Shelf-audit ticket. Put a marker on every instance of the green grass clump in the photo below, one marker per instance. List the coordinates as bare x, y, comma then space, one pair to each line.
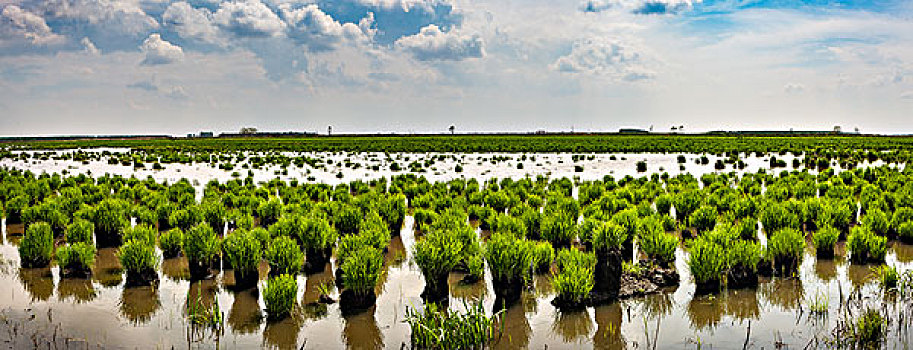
664, 204
284, 256
905, 231
362, 270
543, 255
824, 240
877, 221
185, 218
37, 246
201, 245
659, 247
76, 258
138, 259
887, 276
786, 249
143, 233
704, 218
775, 217
744, 254
110, 217
444, 329
317, 234
870, 329
558, 228
707, 262
436, 254
608, 236
346, 219
865, 246
279, 296
171, 242
575, 277
80, 231
269, 211
242, 250
509, 258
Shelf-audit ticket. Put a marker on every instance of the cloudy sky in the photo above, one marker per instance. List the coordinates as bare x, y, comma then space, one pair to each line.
173, 67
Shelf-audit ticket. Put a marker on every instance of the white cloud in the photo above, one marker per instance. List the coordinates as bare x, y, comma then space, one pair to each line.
318, 30
793, 88
604, 57
249, 18
405, 5
432, 44
159, 51
23, 25
907, 95
645, 7
191, 23
117, 17
89, 47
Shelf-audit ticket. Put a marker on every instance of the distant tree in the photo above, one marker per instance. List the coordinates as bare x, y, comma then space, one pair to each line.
673, 128
330, 130
452, 129
856, 129
837, 129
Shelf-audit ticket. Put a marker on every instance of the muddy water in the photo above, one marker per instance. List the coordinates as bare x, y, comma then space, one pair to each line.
100, 312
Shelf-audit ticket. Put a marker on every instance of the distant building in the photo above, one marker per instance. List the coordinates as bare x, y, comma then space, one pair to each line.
632, 131
206, 134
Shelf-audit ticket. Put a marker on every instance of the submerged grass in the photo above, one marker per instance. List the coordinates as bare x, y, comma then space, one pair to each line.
442, 329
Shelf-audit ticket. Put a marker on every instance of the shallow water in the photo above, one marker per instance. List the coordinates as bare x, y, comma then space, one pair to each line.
36, 306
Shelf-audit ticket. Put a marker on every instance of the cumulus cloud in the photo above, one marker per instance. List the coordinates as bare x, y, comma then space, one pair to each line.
644, 7
191, 23
604, 57
319, 31
89, 47
159, 51
117, 17
249, 18
24, 25
793, 88
432, 44
405, 5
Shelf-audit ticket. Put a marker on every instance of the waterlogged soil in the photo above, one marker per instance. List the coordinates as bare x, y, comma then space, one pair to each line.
38, 308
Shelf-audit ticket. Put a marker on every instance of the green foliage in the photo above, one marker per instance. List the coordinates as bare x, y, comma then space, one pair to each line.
444, 329
745, 254
825, 239
137, 256
659, 246
347, 219
37, 246
558, 229
201, 244
786, 249
707, 261
608, 236
905, 231
362, 270
171, 242
436, 254
185, 218
80, 231
509, 258
865, 246
143, 233
543, 255
317, 233
284, 256
887, 276
111, 216
704, 218
686, 203
775, 217
243, 251
877, 221
280, 296
663, 204
269, 212
575, 277
870, 329
76, 256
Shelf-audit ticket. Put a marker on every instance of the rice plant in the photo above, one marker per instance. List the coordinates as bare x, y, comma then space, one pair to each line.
558, 228
280, 295
139, 261
543, 255
436, 254
171, 242
824, 240
360, 273
887, 276
786, 249
704, 218
76, 259
201, 247
509, 260
37, 246
284, 256
144, 233
80, 231
243, 252
864, 246
574, 279
659, 247
110, 217
318, 238
443, 329
905, 232
707, 261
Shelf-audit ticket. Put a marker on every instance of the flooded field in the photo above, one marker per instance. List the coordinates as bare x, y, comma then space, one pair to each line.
38, 306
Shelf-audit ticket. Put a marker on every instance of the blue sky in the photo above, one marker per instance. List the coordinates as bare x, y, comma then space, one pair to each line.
174, 67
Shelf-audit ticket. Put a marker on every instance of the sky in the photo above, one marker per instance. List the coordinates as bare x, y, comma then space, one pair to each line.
72, 67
